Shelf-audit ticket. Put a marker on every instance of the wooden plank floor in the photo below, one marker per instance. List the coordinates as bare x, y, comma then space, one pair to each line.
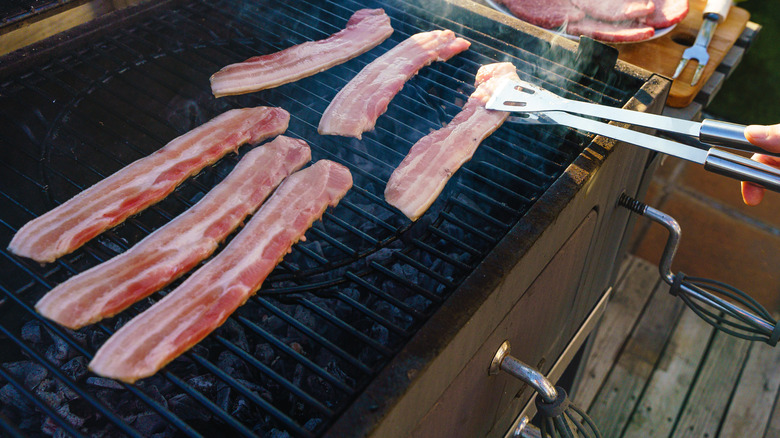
656, 370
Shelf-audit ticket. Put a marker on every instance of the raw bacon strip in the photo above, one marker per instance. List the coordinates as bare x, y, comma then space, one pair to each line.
356, 107
430, 163
174, 249
616, 10
549, 14
618, 32
205, 300
143, 182
667, 13
366, 29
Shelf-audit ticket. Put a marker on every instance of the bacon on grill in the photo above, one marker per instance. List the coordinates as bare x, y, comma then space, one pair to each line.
177, 247
205, 300
366, 29
430, 163
359, 104
143, 182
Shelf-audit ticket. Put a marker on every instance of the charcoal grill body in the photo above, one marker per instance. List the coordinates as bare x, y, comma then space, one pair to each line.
374, 325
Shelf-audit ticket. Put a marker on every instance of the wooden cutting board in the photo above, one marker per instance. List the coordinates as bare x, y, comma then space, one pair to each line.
662, 54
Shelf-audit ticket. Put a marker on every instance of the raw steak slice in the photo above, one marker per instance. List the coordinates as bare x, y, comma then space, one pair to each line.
667, 13
616, 10
549, 14
621, 32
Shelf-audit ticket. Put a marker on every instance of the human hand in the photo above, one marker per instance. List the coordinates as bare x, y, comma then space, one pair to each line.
765, 137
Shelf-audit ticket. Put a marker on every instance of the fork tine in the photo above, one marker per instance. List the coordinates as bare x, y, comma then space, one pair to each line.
697, 74
680, 67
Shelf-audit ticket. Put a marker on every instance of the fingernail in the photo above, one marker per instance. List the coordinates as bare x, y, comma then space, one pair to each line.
757, 132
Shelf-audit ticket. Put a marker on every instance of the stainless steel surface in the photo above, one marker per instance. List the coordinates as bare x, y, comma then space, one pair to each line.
505, 362
526, 97
714, 13
743, 169
637, 138
525, 430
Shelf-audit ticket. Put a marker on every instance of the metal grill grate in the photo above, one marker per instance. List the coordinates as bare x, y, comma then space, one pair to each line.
343, 302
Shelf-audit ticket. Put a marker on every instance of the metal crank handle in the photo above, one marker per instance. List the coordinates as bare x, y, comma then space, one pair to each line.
724, 307
743, 169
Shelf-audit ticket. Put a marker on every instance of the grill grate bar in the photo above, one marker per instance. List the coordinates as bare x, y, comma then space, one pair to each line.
482, 216
344, 326
40, 404
459, 243
338, 351
60, 376
460, 223
439, 254
290, 352
424, 269
415, 287
298, 392
385, 296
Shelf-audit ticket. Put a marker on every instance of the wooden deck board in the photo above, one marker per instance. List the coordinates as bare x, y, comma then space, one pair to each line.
632, 290
757, 390
657, 371
711, 392
614, 404
662, 401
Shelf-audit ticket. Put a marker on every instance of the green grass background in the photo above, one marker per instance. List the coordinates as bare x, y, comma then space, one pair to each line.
752, 94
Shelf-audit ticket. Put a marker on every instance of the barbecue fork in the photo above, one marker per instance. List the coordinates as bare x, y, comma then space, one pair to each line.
715, 12
542, 106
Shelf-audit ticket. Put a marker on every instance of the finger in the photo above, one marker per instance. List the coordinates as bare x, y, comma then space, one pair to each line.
766, 137
751, 193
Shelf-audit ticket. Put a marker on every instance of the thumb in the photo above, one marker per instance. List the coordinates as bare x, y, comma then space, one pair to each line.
765, 137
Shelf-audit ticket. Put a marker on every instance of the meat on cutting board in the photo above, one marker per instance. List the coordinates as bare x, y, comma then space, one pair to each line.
359, 104
549, 14
616, 10
419, 179
177, 247
143, 182
667, 13
205, 300
618, 32
366, 29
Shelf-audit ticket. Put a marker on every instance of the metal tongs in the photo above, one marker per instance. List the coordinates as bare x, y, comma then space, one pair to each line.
545, 107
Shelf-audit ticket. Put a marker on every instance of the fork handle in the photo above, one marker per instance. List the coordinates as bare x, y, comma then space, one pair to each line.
720, 8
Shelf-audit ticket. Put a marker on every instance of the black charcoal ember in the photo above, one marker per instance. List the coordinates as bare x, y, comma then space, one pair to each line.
9, 396
305, 317
70, 417
75, 368
233, 365
48, 391
223, 396
418, 302
205, 384
30, 372
187, 409
155, 395
380, 334
102, 382
149, 423
234, 333
334, 370
312, 424
276, 433
273, 324
265, 353
259, 390
32, 332
59, 352
319, 388
241, 410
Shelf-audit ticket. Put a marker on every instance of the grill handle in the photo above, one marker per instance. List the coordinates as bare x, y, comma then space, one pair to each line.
560, 417
747, 319
743, 169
